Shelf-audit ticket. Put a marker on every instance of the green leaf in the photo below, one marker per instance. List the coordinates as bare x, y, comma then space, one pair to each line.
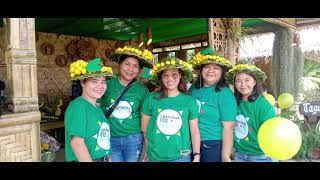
207, 51
94, 65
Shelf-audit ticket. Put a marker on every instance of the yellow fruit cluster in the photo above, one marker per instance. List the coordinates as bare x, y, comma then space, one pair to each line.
78, 68
199, 58
145, 53
106, 69
171, 62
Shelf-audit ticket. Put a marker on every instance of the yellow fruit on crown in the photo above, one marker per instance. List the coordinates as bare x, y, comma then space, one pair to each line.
162, 64
158, 65
80, 68
71, 75
72, 69
173, 62
84, 71
77, 72
180, 61
83, 63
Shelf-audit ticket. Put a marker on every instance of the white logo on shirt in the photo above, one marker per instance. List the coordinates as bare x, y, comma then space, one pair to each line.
169, 121
123, 110
241, 127
103, 138
199, 104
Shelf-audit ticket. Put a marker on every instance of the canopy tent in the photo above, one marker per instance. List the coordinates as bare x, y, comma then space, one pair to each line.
124, 28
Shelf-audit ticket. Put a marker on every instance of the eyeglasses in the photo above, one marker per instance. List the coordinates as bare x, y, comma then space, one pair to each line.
166, 76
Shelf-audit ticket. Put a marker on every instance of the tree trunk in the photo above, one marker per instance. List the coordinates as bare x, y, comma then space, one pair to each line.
298, 65
287, 63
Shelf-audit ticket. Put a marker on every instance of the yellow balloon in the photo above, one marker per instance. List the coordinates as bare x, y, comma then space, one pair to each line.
270, 98
285, 100
279, 138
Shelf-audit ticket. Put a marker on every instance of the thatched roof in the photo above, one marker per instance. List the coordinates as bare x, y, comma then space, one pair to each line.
260, 45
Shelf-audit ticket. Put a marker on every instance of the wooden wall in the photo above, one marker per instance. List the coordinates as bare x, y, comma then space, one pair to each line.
53, 80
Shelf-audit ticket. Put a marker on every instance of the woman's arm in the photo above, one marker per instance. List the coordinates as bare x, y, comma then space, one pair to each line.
80, 149
144, 124
227, 140
195, 138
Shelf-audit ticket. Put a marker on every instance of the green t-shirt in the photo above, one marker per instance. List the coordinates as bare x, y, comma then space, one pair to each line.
125, 119
168, 129
214, 107
251, 115
85, 120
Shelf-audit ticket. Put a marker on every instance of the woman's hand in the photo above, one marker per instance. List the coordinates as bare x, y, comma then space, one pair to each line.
196, 158
145, 158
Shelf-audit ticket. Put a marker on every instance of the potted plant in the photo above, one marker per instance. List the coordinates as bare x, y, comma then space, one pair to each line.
46, 154
49, 147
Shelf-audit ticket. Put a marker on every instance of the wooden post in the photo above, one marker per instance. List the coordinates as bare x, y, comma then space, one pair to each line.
20, 55
233, 28
20, 131
220, 37
210, 32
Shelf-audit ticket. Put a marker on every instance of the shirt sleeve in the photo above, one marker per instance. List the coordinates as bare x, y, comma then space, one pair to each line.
77, 118
266, 111
194, 109
145, 93
146, 105
227, 105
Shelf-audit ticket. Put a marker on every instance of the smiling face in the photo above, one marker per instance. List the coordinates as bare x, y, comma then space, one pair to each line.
211, 74
244, 84
171, 78
94, 88
129, 69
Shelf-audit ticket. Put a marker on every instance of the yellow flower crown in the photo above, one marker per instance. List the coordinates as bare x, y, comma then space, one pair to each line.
246, 67
168, 63
145, 53
208, 55
82, 69
145, 56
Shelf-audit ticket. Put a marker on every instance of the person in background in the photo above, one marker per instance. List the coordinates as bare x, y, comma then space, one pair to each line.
217, 106
253, 110
87, 131
125, 120
170, 115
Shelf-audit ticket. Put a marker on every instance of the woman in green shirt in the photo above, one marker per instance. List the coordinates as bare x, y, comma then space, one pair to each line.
125, 120
217, 106
253, 110
170, 116
86, 128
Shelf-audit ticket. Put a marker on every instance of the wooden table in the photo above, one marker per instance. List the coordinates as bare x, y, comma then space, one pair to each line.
51, 125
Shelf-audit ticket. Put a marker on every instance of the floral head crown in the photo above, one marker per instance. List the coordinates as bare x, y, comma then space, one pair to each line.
82, 69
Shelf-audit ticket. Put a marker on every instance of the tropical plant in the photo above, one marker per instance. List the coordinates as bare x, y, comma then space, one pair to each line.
311, 76
310, 141
310, 135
